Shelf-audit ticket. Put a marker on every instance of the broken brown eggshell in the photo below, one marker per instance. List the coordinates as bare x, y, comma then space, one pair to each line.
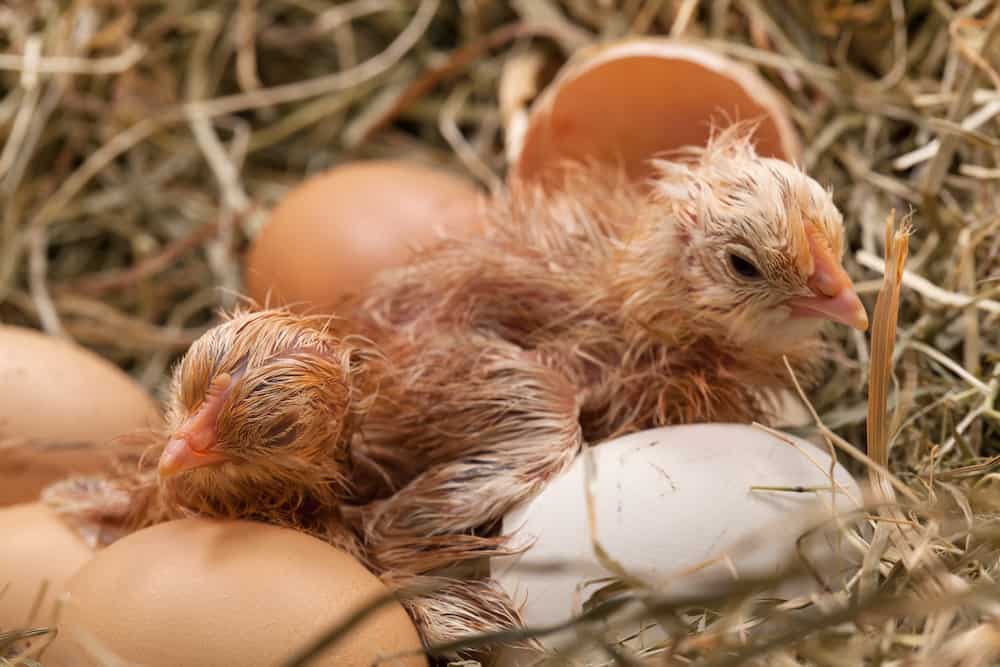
633, 100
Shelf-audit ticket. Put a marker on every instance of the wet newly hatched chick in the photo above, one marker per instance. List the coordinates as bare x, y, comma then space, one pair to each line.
606, 309
258, 421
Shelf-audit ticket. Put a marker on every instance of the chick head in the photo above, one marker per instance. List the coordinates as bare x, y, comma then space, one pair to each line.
756, 245
258, 412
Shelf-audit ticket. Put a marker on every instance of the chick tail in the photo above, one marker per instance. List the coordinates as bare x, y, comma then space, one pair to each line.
450, 612
103, 509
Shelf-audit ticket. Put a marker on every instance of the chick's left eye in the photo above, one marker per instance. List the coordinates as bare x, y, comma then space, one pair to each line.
743, 266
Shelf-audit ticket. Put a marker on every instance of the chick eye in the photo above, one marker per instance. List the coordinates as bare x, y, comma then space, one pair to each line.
743, 266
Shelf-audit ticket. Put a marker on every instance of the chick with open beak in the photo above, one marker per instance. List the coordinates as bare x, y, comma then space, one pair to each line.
259, 413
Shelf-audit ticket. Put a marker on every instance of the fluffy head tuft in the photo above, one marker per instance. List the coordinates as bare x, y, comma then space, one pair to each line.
291, 397
739, 227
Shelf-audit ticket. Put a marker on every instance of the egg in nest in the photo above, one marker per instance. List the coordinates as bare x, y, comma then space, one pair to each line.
199, 592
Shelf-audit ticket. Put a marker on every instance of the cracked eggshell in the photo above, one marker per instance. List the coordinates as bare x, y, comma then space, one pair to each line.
330, 235
60, 407
201, 593
670, 500
627, 102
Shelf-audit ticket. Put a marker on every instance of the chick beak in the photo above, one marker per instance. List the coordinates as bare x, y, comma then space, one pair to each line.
180, 455
834, 296
193, 444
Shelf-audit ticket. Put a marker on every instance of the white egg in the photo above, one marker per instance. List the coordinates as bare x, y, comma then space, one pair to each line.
680, 509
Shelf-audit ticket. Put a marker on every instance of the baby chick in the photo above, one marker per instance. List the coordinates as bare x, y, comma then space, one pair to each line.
606, 309
578, 317
238, 443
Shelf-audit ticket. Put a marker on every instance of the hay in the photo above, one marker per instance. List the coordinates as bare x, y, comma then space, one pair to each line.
145, 140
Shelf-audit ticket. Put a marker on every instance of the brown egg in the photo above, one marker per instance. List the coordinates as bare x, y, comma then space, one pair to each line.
198, 592
35, 548
629, 101
334, 232
60, 405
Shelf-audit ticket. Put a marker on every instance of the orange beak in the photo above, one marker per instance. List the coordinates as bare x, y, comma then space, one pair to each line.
180, 455
193, 444
835, 298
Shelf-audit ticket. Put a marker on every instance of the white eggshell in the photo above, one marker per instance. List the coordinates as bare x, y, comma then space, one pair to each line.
671, 500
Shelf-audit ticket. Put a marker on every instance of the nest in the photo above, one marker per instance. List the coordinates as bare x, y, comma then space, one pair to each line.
144, 142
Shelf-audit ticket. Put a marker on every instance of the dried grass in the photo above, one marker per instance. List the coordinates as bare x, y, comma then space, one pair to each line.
144, 141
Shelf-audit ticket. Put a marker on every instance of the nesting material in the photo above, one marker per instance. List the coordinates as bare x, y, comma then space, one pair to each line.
630, 101
885, 324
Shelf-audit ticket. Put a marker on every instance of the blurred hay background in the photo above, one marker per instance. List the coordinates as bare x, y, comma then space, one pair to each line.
144, 141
